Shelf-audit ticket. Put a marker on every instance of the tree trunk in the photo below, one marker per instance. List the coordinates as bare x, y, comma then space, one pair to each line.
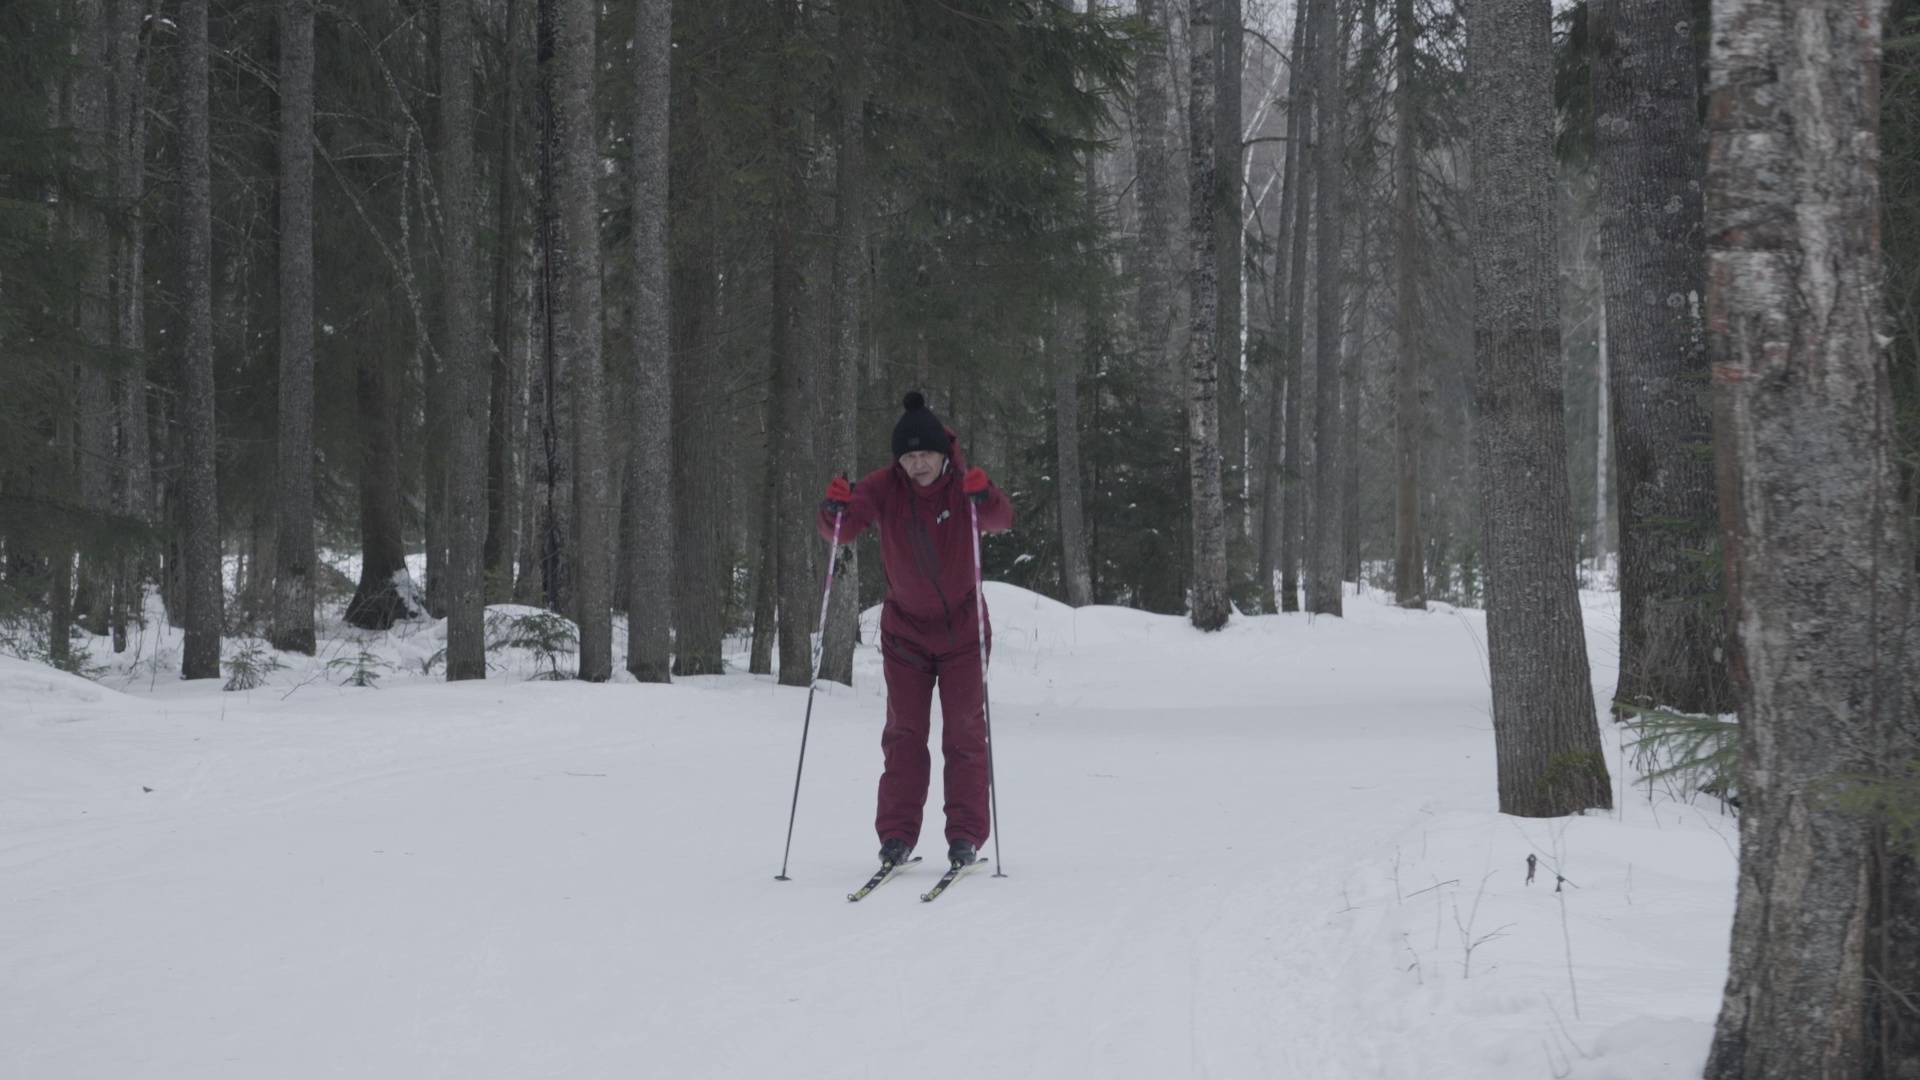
464, 376
510, 309
557, 552
1210, 603
650, 557
579, 310
1353, 366
766, 569
1229, 157
60, 608
1409, 399
133, 489
200, 493
529, 583
1602, 441
839, 453
1154, 142
699, 503
386, 592
293, 551
1893, 939
1075, 566
1326, 526
1649, 154
1283, 387
1304, 134
1810, 501
1545, 735
793, 385
1076, 575
87, 117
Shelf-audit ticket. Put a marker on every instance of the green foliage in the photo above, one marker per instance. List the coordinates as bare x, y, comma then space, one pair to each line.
1893, 800
547, 636
1698, 753
42, 188
361, 668
1570, 775
1138, 491
249, 666
24, 634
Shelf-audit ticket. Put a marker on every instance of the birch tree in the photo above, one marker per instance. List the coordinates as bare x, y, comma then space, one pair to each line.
1283, 387
1818, 552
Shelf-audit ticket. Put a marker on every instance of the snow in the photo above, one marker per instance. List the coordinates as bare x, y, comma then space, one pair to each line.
1267, 852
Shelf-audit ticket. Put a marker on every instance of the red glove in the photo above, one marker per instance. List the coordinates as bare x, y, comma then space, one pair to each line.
975, 484
839, 493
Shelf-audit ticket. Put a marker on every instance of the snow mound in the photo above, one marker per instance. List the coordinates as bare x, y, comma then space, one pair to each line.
23, 681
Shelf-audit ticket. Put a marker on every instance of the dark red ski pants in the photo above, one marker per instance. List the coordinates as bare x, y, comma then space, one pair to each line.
912, 676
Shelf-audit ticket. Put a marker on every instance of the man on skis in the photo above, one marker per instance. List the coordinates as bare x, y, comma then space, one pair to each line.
929, 632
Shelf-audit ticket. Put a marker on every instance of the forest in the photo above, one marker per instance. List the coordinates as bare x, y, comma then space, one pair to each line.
320, 318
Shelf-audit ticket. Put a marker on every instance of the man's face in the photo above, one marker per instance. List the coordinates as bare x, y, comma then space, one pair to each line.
923, 465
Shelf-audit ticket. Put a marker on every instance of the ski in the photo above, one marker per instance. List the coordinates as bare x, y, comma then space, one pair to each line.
886, 872
952, 875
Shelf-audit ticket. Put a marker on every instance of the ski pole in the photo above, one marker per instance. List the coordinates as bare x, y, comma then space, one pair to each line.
986, 710
826, 594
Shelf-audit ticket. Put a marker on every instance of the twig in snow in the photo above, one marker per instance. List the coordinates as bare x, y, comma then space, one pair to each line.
1468, 942
1435, 885
1566, 938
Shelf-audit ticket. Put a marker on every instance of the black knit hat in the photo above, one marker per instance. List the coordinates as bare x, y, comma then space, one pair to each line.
919, 429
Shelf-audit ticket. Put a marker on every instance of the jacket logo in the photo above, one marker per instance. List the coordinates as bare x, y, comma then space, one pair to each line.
943, 515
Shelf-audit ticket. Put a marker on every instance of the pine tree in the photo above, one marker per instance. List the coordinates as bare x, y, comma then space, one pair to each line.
293, 597
842, 384
201, 590
1545, 734
580, 330
465, 380
650, 587
1650, 157
1325, 525
1209, 527
1410, 575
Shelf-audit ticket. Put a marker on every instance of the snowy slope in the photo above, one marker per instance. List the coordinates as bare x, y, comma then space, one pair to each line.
1259, 853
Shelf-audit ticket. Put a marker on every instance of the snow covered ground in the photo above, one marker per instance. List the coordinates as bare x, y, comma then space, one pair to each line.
1268, 852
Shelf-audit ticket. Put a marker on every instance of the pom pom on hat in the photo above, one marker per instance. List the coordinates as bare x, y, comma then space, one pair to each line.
919, 429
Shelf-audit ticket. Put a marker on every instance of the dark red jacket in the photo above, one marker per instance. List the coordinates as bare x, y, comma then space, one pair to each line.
925, 550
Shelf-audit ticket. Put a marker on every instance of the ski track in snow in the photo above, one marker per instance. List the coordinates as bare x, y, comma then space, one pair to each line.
1268, 852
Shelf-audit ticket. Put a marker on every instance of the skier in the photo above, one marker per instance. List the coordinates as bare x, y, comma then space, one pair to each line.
929, 634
